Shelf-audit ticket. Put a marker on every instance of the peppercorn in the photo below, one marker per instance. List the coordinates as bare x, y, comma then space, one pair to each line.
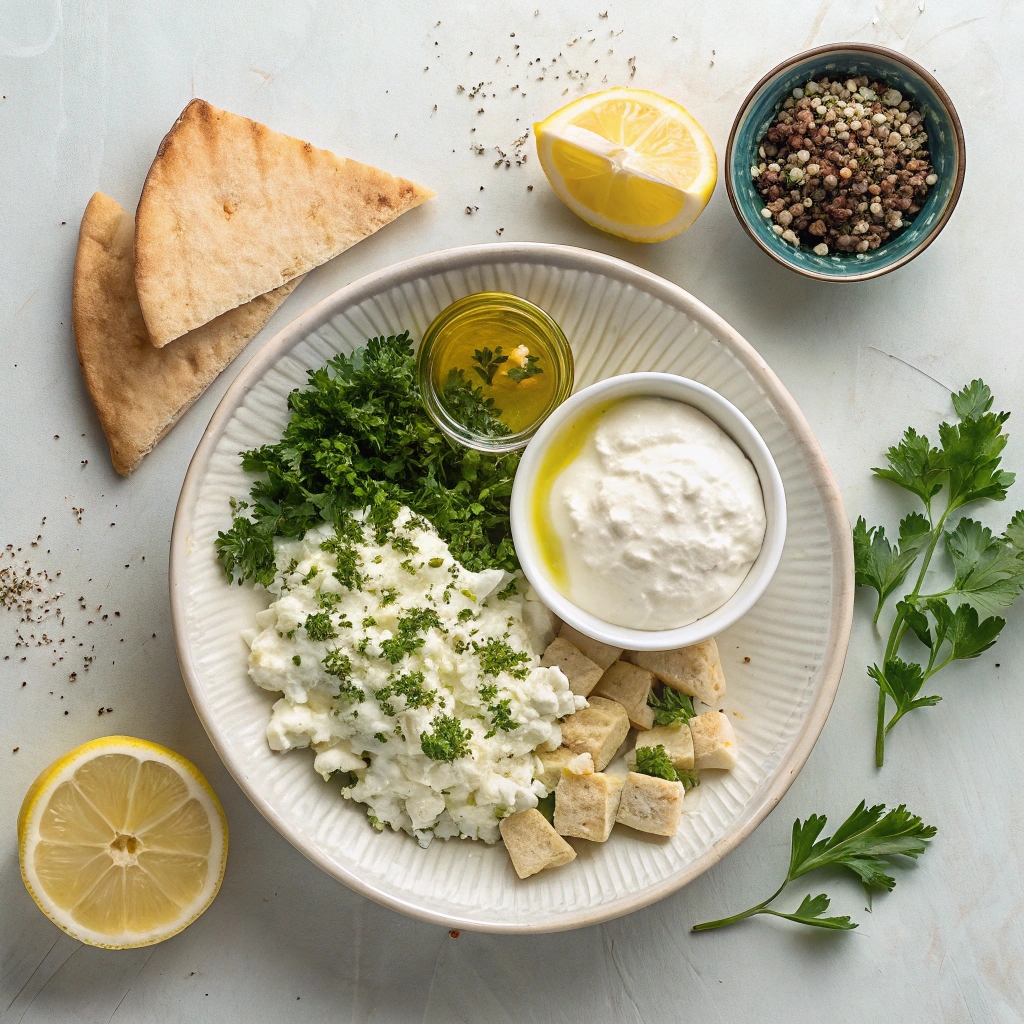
844, 165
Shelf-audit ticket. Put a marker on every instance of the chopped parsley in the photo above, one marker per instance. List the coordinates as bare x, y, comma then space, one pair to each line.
312, 574
296, 660
347, 571
369, 621
410, 686
448, 742
408, 566
488, 691
497, 656
465, 615
501, 717
337, 663
467, 405
389, 595
508, 590
360, 437
351, 693
319, 627
655, 761
404, 545
672, 707
409, 634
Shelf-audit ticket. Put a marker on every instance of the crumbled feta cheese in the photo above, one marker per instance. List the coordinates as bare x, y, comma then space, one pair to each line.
415, 675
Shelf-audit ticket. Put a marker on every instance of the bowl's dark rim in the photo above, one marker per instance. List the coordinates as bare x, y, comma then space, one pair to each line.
944, 99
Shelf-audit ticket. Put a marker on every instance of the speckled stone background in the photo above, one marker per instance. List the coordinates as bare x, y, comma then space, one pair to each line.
90, 86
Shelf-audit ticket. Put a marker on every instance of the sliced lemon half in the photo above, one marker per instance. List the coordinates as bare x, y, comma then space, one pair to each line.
122, 842
629, 162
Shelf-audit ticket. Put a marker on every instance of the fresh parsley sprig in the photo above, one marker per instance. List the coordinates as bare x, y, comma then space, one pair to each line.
988, 569
359, 438
865, 844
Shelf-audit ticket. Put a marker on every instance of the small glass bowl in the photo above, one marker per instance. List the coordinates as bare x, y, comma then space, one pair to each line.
524, 323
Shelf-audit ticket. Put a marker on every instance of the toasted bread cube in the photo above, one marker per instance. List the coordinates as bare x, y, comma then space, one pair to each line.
533, 844
597, 730
553, 761
600, 654
651, 805
695, 670
714, 741
585, 805
677, 741
581, 672
630, 686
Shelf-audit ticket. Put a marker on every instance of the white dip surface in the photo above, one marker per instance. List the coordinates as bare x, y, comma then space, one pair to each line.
659, 517
373, 698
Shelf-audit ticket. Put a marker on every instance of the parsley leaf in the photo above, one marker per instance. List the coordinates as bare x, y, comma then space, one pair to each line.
902, 681
914, 465
864, 844
810, 911
672, 707
526, 371
487, 363
989, 570
881, 566
654, 761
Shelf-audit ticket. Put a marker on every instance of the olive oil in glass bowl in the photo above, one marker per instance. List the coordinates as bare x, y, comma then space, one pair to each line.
492, 368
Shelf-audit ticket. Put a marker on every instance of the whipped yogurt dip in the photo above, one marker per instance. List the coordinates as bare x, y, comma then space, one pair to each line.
658, 518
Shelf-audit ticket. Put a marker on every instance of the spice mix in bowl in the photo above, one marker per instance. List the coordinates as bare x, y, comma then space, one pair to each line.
845, 162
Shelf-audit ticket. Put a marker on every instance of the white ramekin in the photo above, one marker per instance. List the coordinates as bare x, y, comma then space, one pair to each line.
737, 426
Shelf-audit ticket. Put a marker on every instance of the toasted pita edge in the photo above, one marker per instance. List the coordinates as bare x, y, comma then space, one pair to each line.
170, 304
140, 392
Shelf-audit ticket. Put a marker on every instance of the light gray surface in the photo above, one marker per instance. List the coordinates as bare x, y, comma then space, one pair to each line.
90, 87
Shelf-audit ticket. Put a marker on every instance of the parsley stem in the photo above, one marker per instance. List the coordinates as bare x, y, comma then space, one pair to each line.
896, 634
759, 909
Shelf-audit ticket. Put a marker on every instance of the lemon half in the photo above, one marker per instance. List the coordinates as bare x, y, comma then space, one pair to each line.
122, 842
629, 162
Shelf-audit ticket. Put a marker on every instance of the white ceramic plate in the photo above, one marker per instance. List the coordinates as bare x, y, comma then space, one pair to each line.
618, 319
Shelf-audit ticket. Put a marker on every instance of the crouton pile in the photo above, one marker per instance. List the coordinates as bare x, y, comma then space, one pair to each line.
588, 800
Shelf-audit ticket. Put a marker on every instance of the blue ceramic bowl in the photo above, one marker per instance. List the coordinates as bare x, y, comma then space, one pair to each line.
946, 147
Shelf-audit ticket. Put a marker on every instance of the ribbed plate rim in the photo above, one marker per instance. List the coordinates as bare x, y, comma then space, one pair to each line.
567, 258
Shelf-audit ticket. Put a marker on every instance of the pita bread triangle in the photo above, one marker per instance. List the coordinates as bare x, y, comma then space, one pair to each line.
141, 391
231, 210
